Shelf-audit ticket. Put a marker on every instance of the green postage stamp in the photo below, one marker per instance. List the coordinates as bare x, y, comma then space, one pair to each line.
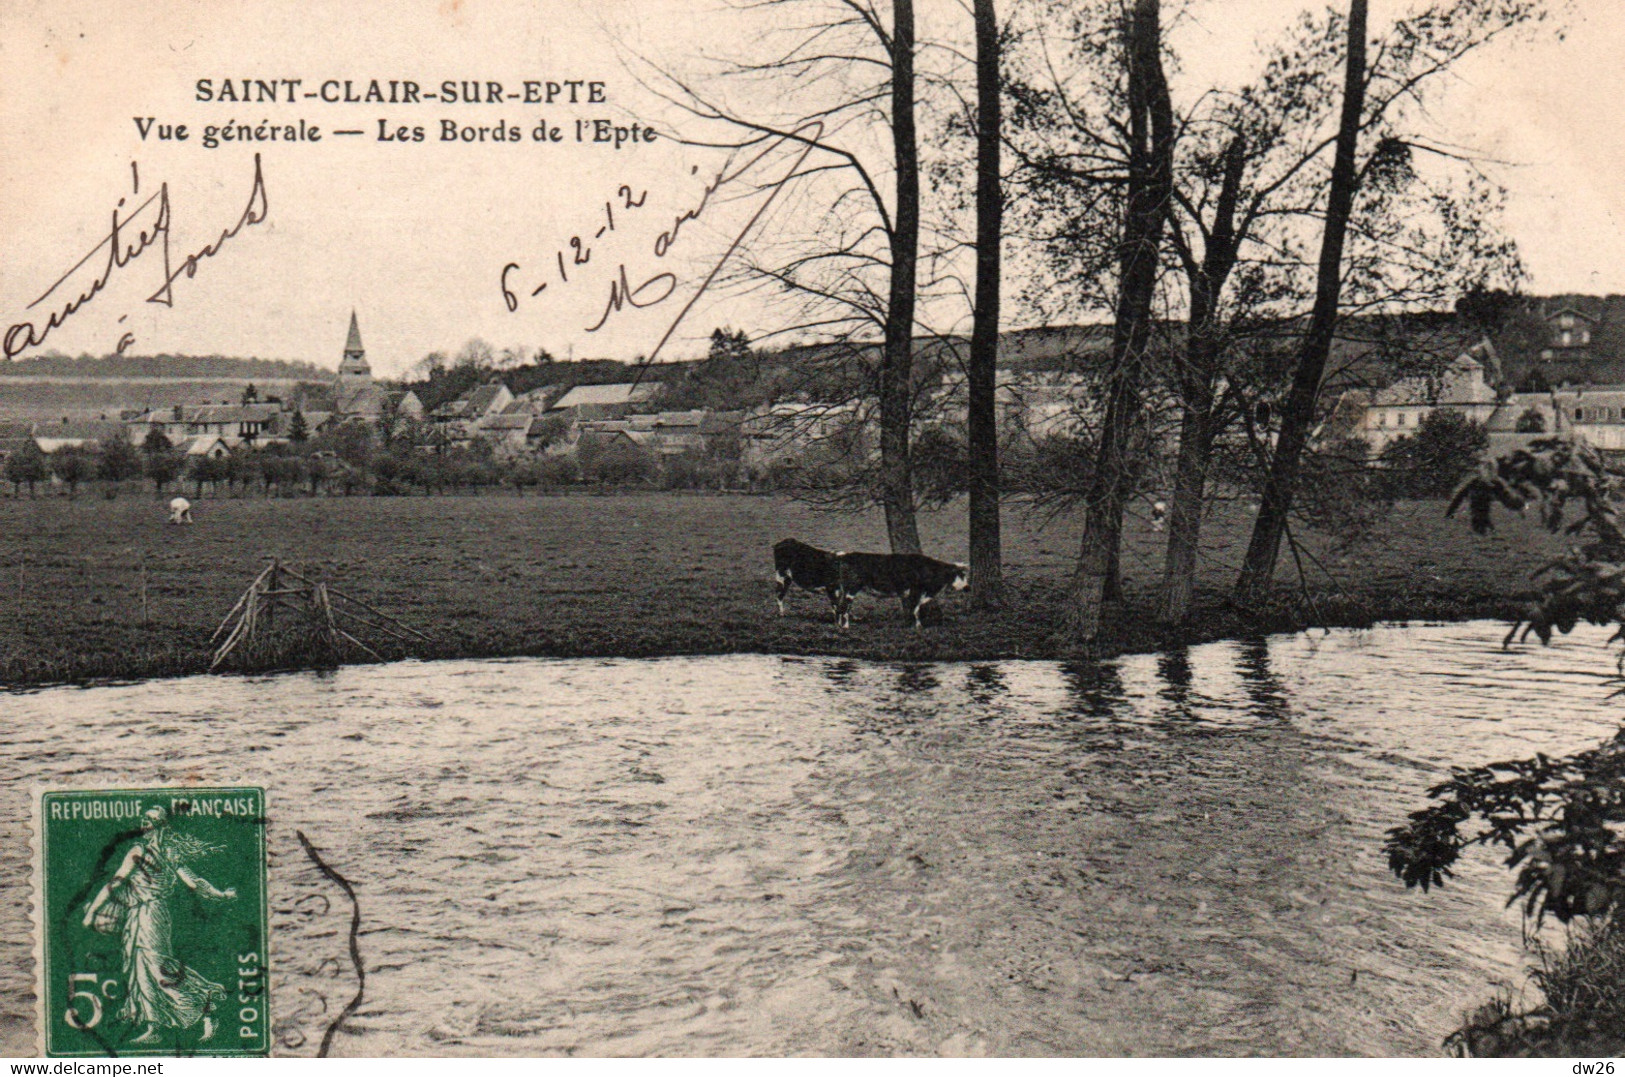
151, 922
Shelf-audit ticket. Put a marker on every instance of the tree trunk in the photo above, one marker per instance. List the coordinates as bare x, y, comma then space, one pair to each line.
1185, 514
1204, 349
1150, 185
1298, 411
897, 359
986, 560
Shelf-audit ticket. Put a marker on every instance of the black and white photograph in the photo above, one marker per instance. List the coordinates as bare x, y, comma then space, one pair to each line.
947, 529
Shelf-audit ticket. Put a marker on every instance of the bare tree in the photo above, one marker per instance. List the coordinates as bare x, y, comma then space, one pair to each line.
848, 263
1298, 411
1197, 375
1148, 191
1091, 130
1245, 213
1360, 208
897, 362
1245, 209
986, 561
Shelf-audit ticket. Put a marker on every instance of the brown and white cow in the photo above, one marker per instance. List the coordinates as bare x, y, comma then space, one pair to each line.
914, 576
807, 567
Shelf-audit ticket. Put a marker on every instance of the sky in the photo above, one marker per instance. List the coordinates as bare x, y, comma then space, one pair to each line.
415, 236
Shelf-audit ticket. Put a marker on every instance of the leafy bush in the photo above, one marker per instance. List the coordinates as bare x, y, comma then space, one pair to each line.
617, 463
1532, 421
163, 465
523, 473
389, 472
206, 469
1584, 985
26, 466
282, 472
72, 466
697, 470
560, 471
1560, 821
1432, 461
551, 430
354, 443
683, 471
119, 461
1583, 1010
941, 462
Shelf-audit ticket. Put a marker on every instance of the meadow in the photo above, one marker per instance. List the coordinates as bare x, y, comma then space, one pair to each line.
93, 588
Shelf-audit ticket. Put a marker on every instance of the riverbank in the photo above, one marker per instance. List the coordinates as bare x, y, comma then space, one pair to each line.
95, 589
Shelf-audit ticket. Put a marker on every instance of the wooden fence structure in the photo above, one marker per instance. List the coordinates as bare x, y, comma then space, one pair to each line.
286, 619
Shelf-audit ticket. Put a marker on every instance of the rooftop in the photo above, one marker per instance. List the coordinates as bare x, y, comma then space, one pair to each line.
622, 393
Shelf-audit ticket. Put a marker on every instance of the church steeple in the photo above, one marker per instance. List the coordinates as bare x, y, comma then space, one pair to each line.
355, 356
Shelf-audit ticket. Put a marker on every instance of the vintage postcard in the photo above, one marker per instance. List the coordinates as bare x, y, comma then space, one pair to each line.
812, 527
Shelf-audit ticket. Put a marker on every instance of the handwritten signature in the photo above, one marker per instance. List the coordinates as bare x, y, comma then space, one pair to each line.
126, 240
660, 286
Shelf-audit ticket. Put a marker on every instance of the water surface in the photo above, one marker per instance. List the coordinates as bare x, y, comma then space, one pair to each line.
1162, 854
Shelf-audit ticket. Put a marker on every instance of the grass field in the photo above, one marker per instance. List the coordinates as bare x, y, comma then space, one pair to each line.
651, 574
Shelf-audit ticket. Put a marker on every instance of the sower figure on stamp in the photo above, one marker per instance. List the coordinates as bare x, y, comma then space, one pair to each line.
161, 991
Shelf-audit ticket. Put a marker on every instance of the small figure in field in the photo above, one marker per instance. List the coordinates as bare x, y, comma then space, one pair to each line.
1159, 515
180, 511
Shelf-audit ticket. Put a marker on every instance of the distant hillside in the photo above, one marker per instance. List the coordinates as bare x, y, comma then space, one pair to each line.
48, 397
446, 383
202, 367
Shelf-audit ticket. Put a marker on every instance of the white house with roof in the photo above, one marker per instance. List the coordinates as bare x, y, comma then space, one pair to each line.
89, 434
1398, 410
246, 422
213, 446
462, 418
1595, 413
667, 433
508, 433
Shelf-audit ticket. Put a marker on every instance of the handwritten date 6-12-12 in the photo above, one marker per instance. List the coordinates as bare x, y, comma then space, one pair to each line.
780, 158
578, 252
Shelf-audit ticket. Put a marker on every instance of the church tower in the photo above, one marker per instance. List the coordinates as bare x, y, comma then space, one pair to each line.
353, 369
355, 393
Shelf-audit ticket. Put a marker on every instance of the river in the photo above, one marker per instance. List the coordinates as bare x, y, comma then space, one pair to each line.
1162, 854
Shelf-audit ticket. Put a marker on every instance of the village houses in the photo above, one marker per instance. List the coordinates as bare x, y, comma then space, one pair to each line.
1565, 373
211, 429
1562, 372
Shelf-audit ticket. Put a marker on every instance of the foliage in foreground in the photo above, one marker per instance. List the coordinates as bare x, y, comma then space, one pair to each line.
1584, 584
1583, 1013
1561, 821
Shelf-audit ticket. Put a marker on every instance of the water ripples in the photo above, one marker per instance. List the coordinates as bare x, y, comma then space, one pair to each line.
1163, 854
